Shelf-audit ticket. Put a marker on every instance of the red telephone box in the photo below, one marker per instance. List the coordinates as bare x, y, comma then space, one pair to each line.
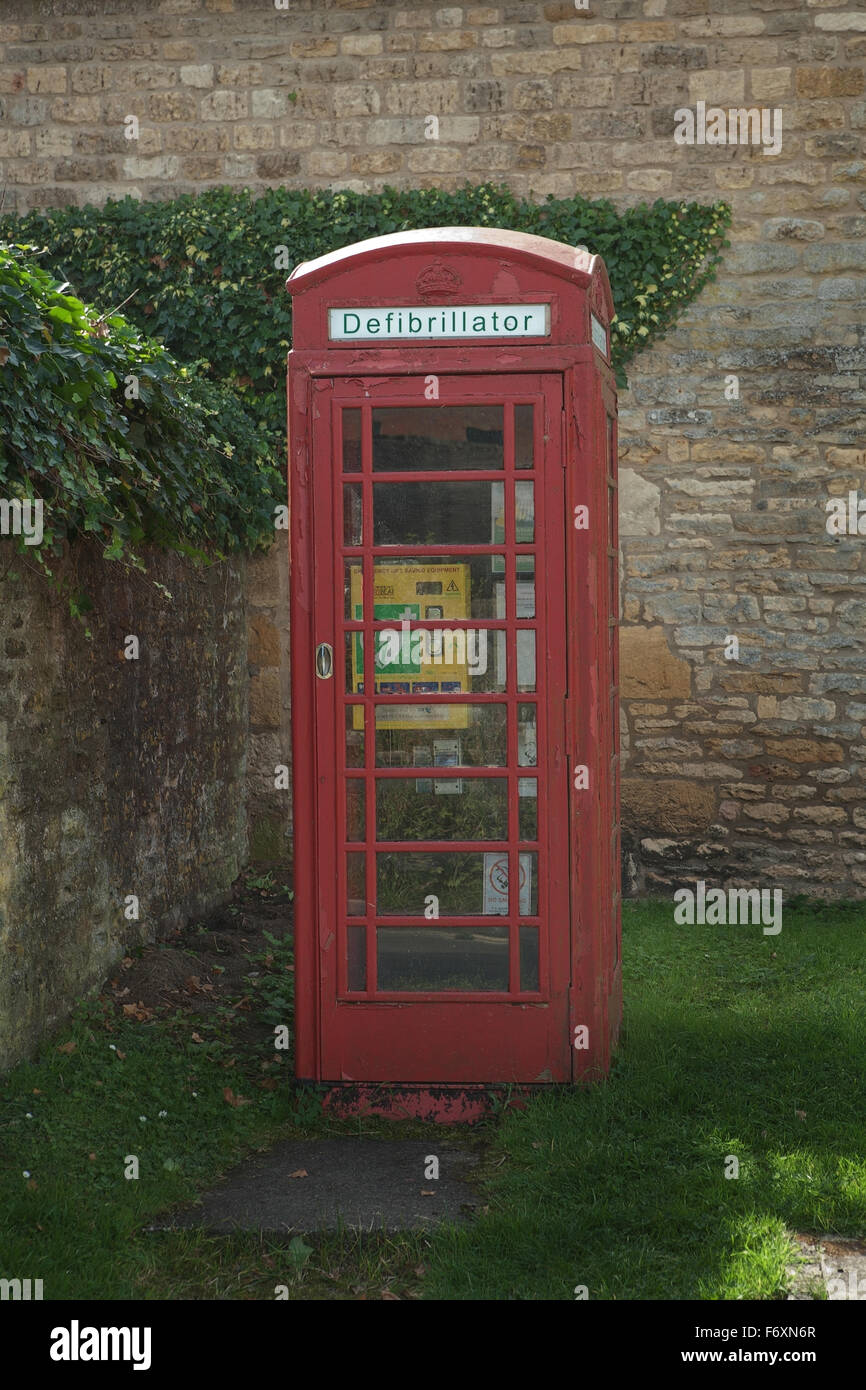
452, 426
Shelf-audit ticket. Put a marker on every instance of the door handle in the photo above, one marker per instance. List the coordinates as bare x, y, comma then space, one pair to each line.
324, 661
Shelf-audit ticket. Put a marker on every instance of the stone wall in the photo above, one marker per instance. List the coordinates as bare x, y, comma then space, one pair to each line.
743, 766
118, 777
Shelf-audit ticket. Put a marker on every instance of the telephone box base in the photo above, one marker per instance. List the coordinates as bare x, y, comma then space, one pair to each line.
444, 1105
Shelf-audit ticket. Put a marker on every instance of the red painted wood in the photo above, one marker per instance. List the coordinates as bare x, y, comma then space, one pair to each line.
366, 1037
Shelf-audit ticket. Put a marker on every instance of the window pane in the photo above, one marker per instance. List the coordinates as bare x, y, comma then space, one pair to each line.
527, 736
450, 512
437, 808
525, 659
527, 803
523, 432
352, 514
529, 972
351, 441
356, 962
524, 513
442, 587
353, 591
405, 879
356, 887
404, 734
355, 810
431, 958
437, 438
354, 736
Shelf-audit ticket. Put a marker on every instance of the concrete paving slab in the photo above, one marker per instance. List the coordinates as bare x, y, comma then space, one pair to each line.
831, 1266
317, 1185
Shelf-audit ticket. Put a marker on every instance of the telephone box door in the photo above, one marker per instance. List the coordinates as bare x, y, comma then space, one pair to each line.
439, 625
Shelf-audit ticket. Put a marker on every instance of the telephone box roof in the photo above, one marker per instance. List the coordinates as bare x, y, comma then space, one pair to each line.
575, 264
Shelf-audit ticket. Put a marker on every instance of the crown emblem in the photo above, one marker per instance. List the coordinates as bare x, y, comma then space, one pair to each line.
437, 281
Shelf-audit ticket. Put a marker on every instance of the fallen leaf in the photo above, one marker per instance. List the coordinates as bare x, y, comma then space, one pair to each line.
67, 1047
268, 1084
299, 1173
138, 1011
428, 1192
121, 1055
229, 1095
197, 1038
91, 1157
801, 1114
420, 1270
36, 1091
32, 1183
390, 1297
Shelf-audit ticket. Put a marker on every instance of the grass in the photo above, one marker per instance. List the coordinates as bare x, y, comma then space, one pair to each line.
735, 1044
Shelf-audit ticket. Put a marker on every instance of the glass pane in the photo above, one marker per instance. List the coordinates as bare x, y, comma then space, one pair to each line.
451, 808
354, 665
527, 804
354, 736
355, 814
439, 587
456, 879
528, 883
523, 432
351, 441
529, 972
356, 957
524, 513
403, 734
525, 659
352, 514
430, 958
356, 888
449, 512
527, 736
353, 590
437, 437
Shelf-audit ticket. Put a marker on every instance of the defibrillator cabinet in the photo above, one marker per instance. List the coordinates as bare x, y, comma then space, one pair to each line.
454, 583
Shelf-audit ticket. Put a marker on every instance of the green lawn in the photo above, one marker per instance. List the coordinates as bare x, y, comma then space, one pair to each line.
735, 1044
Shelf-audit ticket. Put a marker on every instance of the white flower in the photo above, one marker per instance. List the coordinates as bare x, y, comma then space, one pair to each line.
25, 1174
112, 1046
162, 1114
143, 1119
28, 1116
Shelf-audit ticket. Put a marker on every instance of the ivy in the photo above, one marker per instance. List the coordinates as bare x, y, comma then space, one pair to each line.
196, 464
107, 436
206, 278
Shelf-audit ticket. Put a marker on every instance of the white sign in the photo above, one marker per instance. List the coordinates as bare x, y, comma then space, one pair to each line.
496, 884
599, 334
440, 321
